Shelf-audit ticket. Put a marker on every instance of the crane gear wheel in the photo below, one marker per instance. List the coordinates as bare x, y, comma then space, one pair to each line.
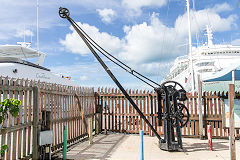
179, 115
63, 12
175, 87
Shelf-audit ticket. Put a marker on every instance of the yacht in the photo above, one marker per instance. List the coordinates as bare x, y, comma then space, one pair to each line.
22, 62
213, 62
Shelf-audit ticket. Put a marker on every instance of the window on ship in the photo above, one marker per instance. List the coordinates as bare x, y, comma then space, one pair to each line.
205, 64
205, 70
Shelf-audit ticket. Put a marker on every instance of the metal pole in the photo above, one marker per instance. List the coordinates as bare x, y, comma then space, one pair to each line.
65, 144
37, 26
141, 145
190, 47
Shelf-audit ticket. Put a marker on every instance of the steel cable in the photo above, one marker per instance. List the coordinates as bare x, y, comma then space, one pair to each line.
101, 50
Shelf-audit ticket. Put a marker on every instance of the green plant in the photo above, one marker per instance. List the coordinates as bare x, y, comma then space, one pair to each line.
4, 148
8, 106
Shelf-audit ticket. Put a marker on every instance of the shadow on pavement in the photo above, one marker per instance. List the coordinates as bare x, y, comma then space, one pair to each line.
102, 148
217, 146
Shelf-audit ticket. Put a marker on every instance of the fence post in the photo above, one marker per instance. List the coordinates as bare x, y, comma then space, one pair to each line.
200, 108
98, 123
231, 121
90, 130
35, 145
98, 114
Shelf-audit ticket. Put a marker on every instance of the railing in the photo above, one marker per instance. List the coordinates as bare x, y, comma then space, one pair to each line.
20, 134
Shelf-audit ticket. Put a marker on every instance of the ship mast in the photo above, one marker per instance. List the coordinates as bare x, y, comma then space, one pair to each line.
37, 27
209, 35
190, 48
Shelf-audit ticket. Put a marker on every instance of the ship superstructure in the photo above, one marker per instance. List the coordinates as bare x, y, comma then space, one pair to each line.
208, 61
17, 61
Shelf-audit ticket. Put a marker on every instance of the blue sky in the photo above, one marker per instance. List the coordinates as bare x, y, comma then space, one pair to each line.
146, 34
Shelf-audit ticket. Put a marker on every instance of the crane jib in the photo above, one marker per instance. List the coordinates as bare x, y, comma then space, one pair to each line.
169, 94
66, 15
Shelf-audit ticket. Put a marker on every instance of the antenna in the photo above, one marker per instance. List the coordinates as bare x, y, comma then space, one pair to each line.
24, 34
194, 5
31, 37
37, 27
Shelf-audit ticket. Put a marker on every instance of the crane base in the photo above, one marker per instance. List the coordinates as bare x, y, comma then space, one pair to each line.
170, 147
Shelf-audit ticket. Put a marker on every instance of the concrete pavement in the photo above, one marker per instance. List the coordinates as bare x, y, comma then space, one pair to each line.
126, 147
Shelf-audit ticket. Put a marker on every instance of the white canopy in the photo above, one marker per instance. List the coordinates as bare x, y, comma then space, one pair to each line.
19, 51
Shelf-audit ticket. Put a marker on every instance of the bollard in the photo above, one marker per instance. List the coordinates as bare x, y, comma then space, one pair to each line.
141, 145
105, 131
65, 144
209, 137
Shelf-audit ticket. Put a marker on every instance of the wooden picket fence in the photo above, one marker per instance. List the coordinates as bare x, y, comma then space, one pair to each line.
119, 116
20, 134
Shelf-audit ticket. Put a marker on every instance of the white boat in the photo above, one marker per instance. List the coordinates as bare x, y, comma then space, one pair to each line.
211, 61
15, 63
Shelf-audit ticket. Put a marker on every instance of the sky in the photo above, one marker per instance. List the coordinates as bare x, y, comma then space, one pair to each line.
147, 35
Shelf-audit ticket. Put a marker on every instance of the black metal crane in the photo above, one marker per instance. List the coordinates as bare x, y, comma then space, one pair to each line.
171, 110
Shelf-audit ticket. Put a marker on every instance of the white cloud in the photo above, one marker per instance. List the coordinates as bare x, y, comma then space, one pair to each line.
222, 7
76, 58
106, 15
74, 43
24, 33
83, 78
236, 42
18, 14
155, 41
201, 18
136, 5
147, 45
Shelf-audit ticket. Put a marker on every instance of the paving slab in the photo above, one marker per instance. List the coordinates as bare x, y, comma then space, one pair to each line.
127, 147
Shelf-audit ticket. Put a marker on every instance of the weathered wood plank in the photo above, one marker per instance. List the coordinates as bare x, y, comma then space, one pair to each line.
9, 123
119, 112
15, 122
133, 111
115, 110
126, 111
25, 105
137, 117
123, 119
148, 111
188, 125
29, 108
4, 82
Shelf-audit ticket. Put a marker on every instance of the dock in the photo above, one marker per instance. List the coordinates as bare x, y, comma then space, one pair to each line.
116, 146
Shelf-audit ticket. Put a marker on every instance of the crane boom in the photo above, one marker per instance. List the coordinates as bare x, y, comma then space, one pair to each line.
64, 13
